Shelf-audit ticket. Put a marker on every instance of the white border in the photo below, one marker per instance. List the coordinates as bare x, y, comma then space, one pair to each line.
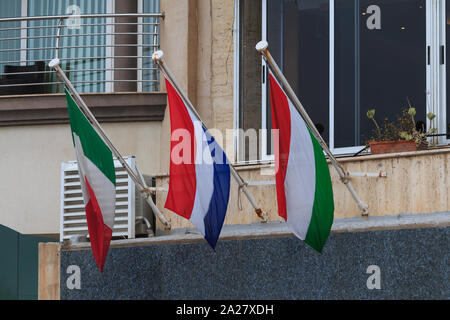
442, 110
236, 34
435, 76
109, 74
140, 48
265, 156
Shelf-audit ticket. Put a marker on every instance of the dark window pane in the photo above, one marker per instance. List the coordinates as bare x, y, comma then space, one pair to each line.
344, 69
379, 65
447, 42
392, 62
298, 36
250, 78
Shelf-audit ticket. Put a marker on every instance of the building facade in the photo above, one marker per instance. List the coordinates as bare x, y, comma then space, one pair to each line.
342, 57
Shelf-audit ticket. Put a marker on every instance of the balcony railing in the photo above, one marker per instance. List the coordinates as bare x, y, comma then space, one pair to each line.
99, 53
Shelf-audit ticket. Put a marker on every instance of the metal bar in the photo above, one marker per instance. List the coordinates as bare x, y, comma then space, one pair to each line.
157, 57
55, 64
82, 25
152, 205
75, 71
23, 32
73, 59
80, 47
76, 82
261, 183
262, 47
368, 174
78, 35
86, 16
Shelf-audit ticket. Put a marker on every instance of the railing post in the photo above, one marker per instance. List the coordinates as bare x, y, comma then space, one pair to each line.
120, 39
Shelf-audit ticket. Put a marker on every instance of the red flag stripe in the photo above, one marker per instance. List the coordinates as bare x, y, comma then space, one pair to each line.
182, 183
281, 120
99, 234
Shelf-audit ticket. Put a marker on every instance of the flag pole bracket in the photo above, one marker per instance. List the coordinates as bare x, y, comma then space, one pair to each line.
262, 48
157, 57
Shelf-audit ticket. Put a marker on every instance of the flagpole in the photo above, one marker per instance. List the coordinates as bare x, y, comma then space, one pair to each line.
157, 57
145, 191
262, 47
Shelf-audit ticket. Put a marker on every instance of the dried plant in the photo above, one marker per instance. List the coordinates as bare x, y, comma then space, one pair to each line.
405, 128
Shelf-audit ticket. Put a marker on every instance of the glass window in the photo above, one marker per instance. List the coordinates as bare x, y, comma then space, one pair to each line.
298, 36
150, 29
447, 41
87, 53
249, 80
82, 48
379, 64
377, 60
9, 41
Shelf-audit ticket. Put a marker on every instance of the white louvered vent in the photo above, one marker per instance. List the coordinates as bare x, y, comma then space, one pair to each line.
73, 217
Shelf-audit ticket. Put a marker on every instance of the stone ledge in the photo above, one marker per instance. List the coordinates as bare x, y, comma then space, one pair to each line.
107, 107
279, 229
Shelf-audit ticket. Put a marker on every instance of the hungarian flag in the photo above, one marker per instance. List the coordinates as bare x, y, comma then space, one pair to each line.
98, 181
303, 183
199, 182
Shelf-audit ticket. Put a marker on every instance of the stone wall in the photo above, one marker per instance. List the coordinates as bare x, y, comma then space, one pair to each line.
415, 182
412, 264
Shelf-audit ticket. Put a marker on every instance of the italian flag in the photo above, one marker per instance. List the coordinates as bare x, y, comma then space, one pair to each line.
303, 183
98, 181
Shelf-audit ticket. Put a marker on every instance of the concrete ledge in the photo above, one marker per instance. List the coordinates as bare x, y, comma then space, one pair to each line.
107, 107
279, 229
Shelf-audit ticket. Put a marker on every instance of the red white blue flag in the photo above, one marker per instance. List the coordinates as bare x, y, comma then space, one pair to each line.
199, 185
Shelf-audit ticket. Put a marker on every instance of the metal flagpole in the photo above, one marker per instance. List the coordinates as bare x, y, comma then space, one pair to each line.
262, 47
145, 191
157, 57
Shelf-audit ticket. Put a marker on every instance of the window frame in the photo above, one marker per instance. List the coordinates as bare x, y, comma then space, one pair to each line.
435, 75
109, 50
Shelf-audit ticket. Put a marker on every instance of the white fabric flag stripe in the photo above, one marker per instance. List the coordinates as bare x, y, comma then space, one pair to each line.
104, 189
199, 185
204, 172
97, 179
303, 182
300, 182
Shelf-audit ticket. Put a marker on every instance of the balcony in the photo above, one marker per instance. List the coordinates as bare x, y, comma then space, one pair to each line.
106, 56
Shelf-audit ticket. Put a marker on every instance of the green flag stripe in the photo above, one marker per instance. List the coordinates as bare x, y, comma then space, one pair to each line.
93, 146
323, 207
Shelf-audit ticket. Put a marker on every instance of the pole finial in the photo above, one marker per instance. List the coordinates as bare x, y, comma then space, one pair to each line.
158, 55
55, 62
262, 46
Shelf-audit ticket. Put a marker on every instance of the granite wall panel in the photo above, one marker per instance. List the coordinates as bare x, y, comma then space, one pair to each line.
413, 265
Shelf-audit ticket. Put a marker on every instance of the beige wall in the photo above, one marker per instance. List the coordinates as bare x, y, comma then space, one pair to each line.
416, 182
31, 165
197, 40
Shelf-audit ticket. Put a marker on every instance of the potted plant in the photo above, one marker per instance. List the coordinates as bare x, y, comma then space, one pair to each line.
401, 136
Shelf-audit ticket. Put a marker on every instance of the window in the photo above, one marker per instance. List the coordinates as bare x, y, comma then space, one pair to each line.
342, 58
102, 54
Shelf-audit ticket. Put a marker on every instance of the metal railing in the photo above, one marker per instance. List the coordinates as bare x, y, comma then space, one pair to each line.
99, 53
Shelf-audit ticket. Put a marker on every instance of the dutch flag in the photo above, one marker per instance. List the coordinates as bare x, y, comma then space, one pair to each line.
199, 183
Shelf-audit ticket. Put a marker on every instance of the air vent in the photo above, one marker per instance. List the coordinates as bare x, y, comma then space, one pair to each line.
129, 204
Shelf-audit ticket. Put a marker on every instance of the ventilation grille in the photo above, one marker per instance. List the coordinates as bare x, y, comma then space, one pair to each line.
73, 217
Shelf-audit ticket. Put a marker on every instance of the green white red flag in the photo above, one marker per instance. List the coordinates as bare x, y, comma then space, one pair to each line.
303, 183
98, 181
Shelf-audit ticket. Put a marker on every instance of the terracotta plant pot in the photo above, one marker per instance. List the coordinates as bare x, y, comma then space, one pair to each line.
392, 146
